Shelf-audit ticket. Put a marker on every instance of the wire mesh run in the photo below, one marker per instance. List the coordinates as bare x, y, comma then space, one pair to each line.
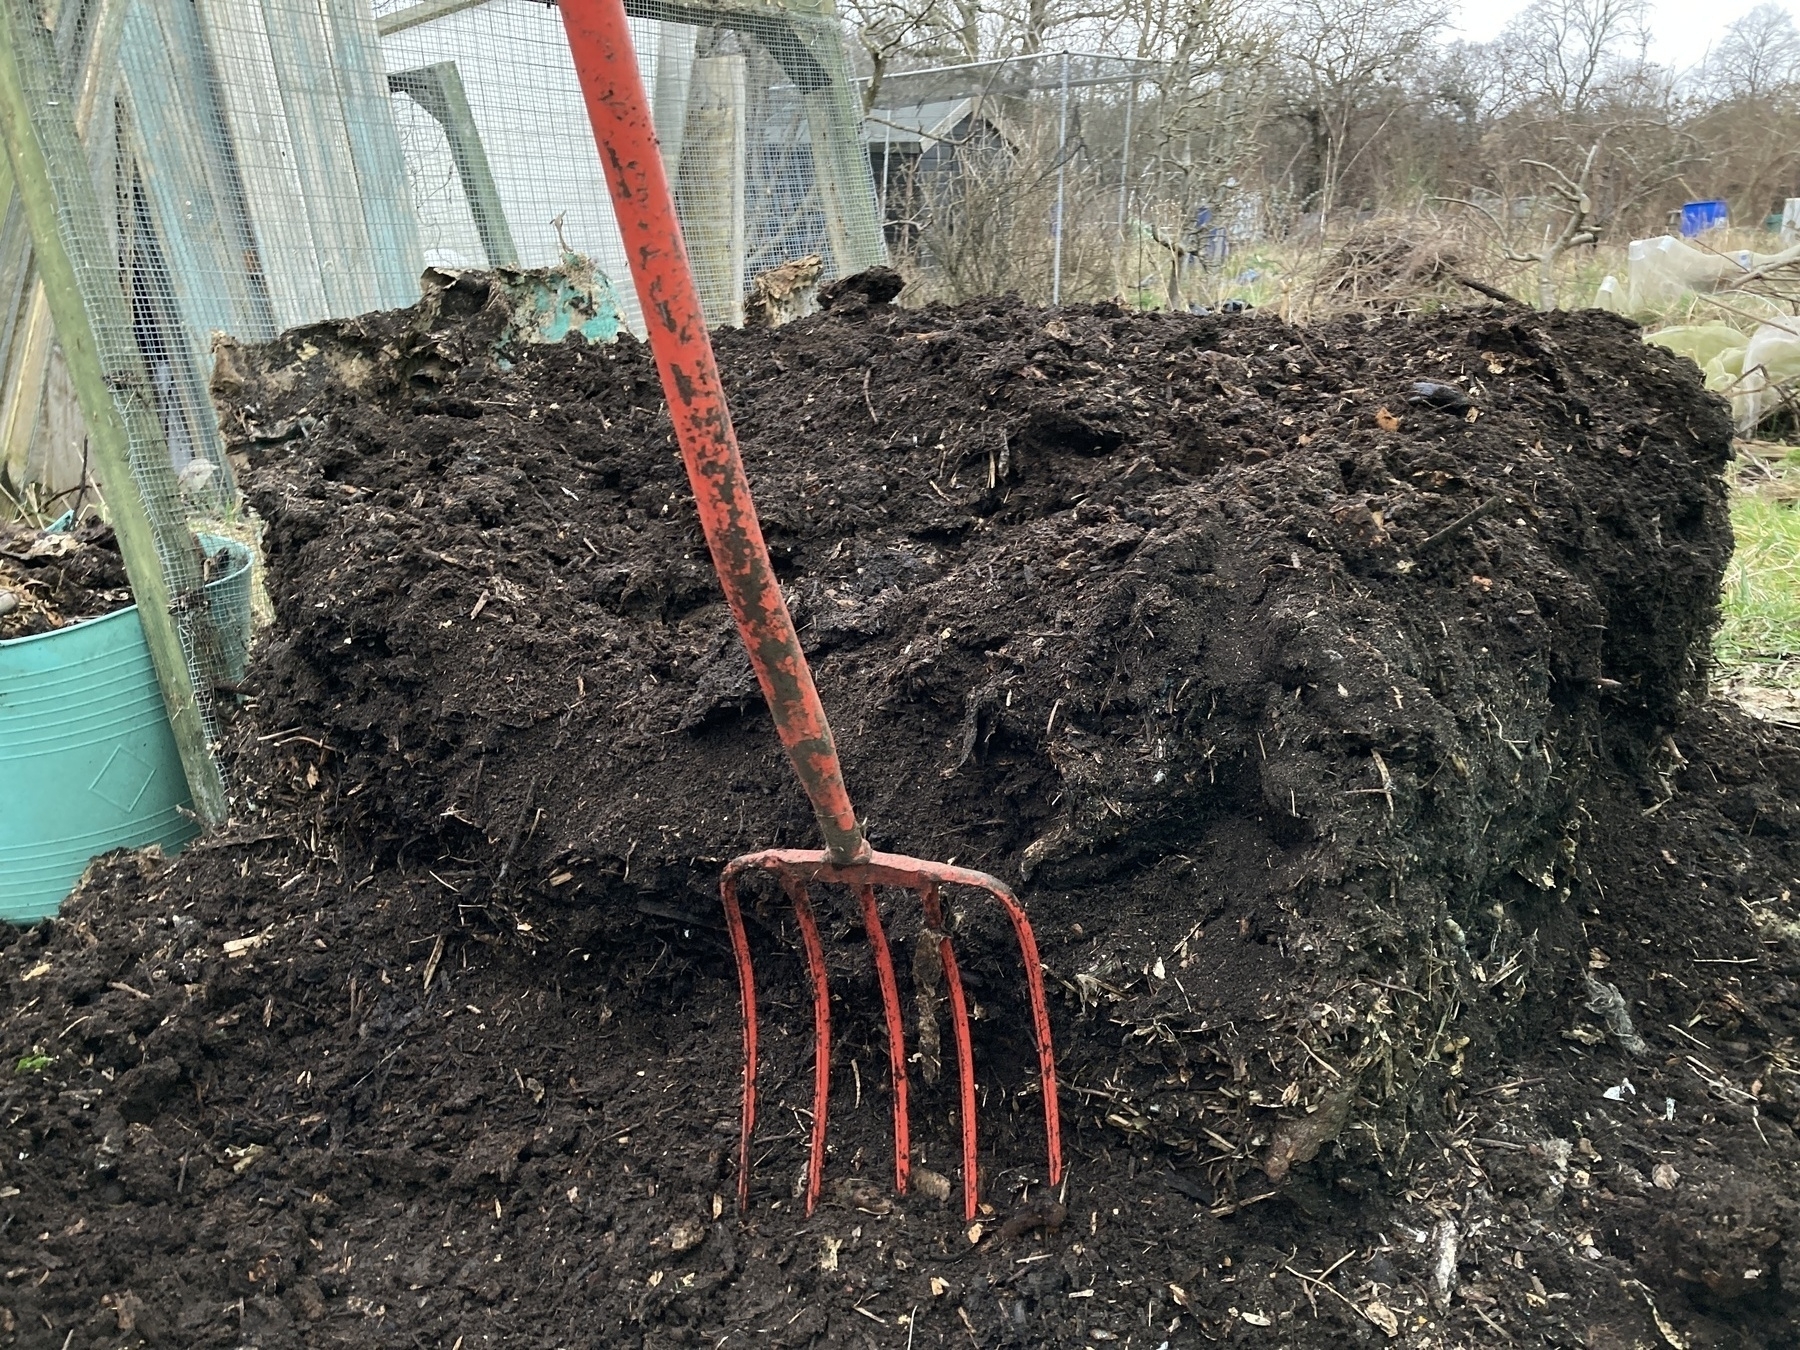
268, 163
246, 166
1060, 175
100, 207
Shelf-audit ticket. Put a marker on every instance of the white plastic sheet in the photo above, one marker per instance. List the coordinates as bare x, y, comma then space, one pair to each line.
1665, 268
1759, 372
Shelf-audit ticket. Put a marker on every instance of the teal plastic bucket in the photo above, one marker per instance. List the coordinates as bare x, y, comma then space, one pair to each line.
87, 761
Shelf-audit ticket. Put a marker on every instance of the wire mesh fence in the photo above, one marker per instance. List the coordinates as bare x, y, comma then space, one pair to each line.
245, 166
175, 472
266, 163
1060, 175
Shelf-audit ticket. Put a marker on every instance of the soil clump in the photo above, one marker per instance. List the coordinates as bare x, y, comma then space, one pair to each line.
49, 579
1423, 944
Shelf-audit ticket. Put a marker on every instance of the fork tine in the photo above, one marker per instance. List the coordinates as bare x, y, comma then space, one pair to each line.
890, 1002
740, 949
965, 1050
815, 961
1040, 1021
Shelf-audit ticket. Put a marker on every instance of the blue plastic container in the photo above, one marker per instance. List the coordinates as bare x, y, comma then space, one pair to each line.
87, 760
1699, 217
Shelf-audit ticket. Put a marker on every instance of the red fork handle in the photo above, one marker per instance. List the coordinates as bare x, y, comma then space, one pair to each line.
600, 41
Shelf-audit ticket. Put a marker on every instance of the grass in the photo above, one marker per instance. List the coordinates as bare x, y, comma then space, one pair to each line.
1758, 644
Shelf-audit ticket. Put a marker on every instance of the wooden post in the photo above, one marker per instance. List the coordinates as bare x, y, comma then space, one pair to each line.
438, 89
366, 113
399, 20
324, 161
710, 191
840, 158
669, 96
22, 407
196, 199
276, 201
140, 540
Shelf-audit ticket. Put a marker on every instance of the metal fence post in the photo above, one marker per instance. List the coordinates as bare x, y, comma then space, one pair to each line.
1062, 141
1125, 158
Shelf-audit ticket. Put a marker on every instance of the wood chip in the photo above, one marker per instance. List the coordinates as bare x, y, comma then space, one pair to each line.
431, 962
245, 945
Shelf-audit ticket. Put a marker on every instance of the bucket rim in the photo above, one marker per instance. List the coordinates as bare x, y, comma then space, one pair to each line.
242, 561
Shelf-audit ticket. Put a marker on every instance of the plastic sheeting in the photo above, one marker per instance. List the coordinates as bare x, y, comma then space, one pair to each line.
1665, 268
1759, 372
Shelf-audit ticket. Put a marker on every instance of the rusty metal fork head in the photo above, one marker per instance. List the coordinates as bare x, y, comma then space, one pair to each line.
796, 870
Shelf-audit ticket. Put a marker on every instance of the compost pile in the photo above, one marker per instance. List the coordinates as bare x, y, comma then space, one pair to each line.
52, 578
1421, 943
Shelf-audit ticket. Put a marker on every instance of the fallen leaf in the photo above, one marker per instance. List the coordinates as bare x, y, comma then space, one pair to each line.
1382, 1316
1386, 420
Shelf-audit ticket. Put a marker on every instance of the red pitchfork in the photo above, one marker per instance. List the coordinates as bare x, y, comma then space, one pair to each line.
600, 41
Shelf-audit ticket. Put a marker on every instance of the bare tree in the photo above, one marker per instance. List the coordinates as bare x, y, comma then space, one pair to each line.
1561, 52
1576, 207
888, 29
1759, 56
1348, 57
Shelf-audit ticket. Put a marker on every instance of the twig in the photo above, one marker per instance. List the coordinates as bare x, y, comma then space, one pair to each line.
1491, 292
1502, 1087
1311, 1281
1461, 523
867, 401
1324, 1063
512, 846
1220, 1211
1771, 320
431, 962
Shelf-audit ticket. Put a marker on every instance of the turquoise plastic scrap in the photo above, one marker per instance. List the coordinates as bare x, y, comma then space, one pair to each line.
87, 761
550, 303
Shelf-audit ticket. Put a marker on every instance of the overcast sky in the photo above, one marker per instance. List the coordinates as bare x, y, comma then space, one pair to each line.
1680, 30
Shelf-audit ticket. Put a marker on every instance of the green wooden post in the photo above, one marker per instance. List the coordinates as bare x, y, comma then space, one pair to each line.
108, 439
438, 89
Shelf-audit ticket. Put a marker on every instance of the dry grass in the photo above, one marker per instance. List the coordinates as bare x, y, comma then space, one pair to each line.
1758, 644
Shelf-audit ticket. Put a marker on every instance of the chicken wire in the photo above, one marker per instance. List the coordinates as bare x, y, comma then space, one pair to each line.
267, 163
753, 108
99, 215
1061, 175
245, 166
